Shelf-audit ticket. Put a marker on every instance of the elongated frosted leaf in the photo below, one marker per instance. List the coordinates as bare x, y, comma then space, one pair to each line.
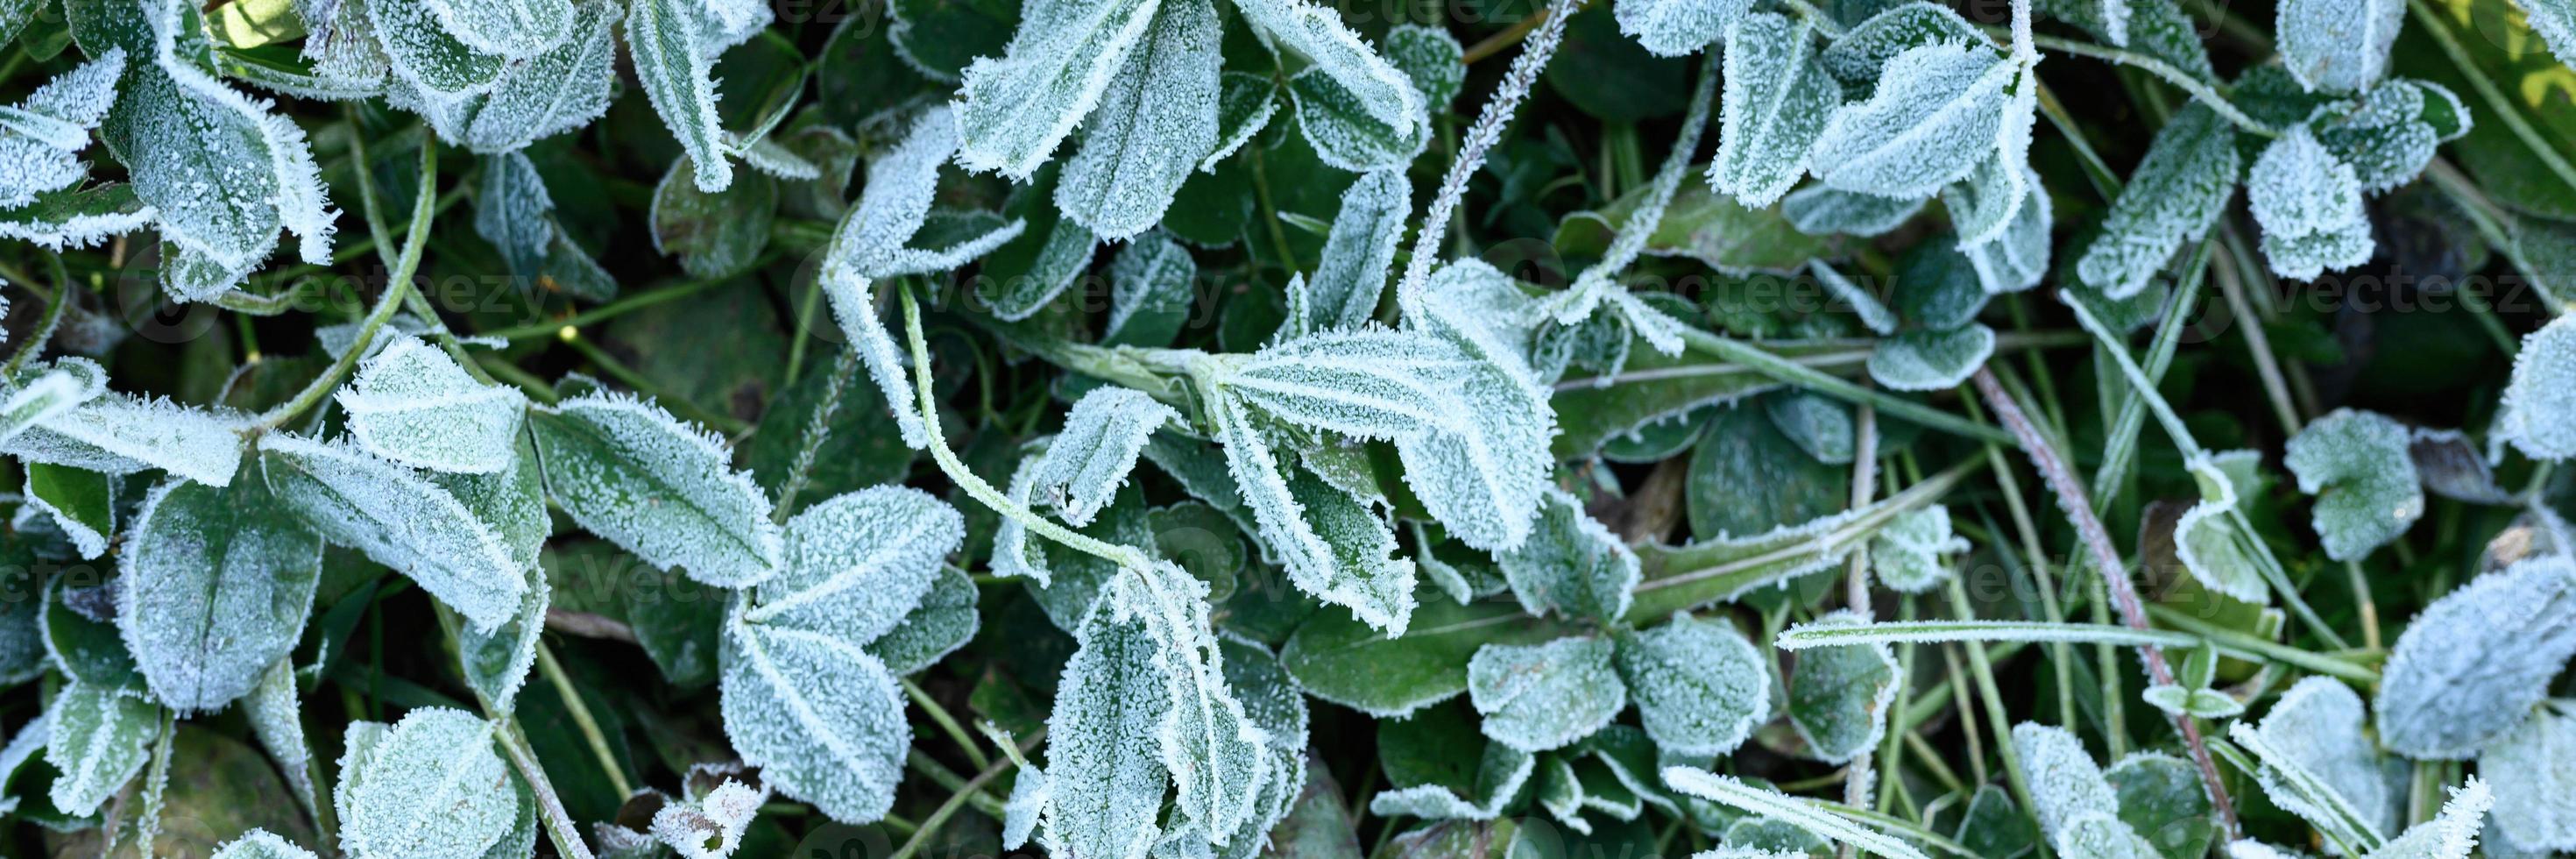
1934, 116
1086, 464
2319, 765
218, 582
432, 786
2534, 773
857, 564
2309, 205
2337, 46
874, 239
261, 844
2178, 191
1925, 360
400, 520
2470, 666
673, 64
1818, 210
854, 306
2065, 783
1013, 110
79, 502
1911, 554
1245, 105
277, 720
1364, 92
1153, 285
1104, 758
1545, 696
2356, 464
510, 28
496, 664
1775, 104
1500, 775
77, 218
1839, 695
1155, 121
40, 136
413, 404
2539, 411
1333, 546
428, 54
1571, 564
97, 739
628, 471
513, 210
1345, 132
563, 89
1673, 28
820, 716
1359, 251
1208, 742
1801, 813
1700, 687
1834, 632
2452, 834
2208, 540
1860, 54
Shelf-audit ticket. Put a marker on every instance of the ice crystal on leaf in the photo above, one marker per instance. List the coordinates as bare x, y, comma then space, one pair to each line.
97, 740
413, 404
675, 63
1544, 696
41, 135
1934, 116
1374, 105
818, 714
1910, 554
562, 89
1802, 813
1839, 695
1105, 767
1103, 435
262, 844
218, 581
2534, 773
2469, 668
400, 519
1929, 360
1775, 105
628, 471
511, 28
1013, 110
2452, 834
856, 564
1819, 210
2309, 205
874, 239
2356, 464
1359, 251
2317, 763
2337, 46
431, 787
1673, 28
1333, 546
1699, 686
2177, 193
2539, 410
1156, 119
1571, 564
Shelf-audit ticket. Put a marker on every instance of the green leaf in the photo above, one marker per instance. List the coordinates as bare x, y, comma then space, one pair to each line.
1926, 360
1339, 659
1104, 758
1333, 546
2534, 772
820, 716
1432, 58
218, 583
2471, 665
1747, 477
1673, 28
1086, 464
2177, 193
1704, 225
81, 502
1153, 288
716, 234
2317, 763
1155, 121
1775, 104
628, 471
1571, 565
431, 785
1802, 813
1545, 696
413, 404
1700, 687
1358, 253
943, 622
2539, 405
98, 739
672, 61
2356, 464
1346, 130
2337, 46
2309, 204
1013, 110
1839, 695
400, 520
1934, 117
496, 664
2162, 800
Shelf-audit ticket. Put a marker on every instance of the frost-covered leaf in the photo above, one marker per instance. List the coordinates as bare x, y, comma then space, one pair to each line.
1545, 696
2471, 665
41, 135
77, 218
2534, 773
513, 210
496, 664
2065, 784
854, 306
277, 720
121, 434
1862, 53
1105, 766
1802, 813
2309, 205
1103, 435
2337, 46
262, 844
2539, 410
716, 234
821, 717
2356, 464
1333, 546
427, 53
1910, 554
1776, 102
1700, 687
2178, 191
1345, 130
1432, 58
1932, 119
80, 502
2383, 133
2319, 765
2210, 539
218, 581
628, 471
510, 28
1358, 92
2101, 835
1673, 28
562, 89
1473, 786
1929, 360
1359, 251
432, 787
1838, 696
1153, 285
97, 739
1155, 121
1820, 425
944, 620
1818, 210
2163, 801
2555, 21
857, 565
2452, 834
675, 67
1014, 109
874, 239
400, 519
413, 404
1570, 564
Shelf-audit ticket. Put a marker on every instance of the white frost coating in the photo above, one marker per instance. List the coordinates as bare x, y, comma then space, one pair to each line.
2212, 547
1599, 282
1216, 753
1086, 464
1153, 273
1544, 696
872, 240
628, 471
294, 182
2337, 46
1776, 103
399, 520
1316, 32
432, 787
2555, 21
2309, 205
2319, 765
2471, 665
2539, 410
218, 583
2367, 492
2534, 772
1839, 695
2102, 835
854, 306
1700, 687
512, 28
2449, 835
1439, 802
821, 717
565, 88
2064, 782
442, 69
1909, 554
1344, 134
1673, 28
1802, 813
1818, 210
2177, 193
413, 404
1923, 360
716, 819
1936, 113
277, 720
78, 219
1155, 121
857, 563
1571, 564
1873, 313
121, 434
676, 69
262, 844
97, 739
1013, 553
40, 135
1359, 251
86, 539
1480, 138
1246, 103
496, 663
1105, 767
513, 210
1333, 546
1013, 110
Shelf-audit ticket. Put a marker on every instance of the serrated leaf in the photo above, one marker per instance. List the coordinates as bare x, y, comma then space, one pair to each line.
1155, 121
820, 716
2555, 21
2356, 464
430, 786
2539, 410
2337, 46
1540, 697
628, 471
1359, 251
218, 582
1103, 435
41, 135
400, 520
411, 403
2309, 205
1928, 360
673, 62
2177, 193
1700, 687
98, 740
1333, 546
1774, 107
1838, 696
2452, 834
874, 239
1104, 759
2318, 764
496, 663
2469, 667
1818, 210
2534, 773
1570, 564
1934, 117
1673, 28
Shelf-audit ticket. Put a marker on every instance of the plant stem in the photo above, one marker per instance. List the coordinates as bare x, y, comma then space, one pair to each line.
397, 285
1488, 130
818, 428
2184, 81
612, 309
947, 723
2124, 594
582, 719
559, 825
1791, 372
957, 799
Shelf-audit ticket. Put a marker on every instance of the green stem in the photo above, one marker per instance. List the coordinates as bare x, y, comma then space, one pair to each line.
947, 723
1997, 721
582, 719
2499, 107
2181, 80
2237, 643
612, 309
559, 825
397, 285
1791, 372
959, 798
